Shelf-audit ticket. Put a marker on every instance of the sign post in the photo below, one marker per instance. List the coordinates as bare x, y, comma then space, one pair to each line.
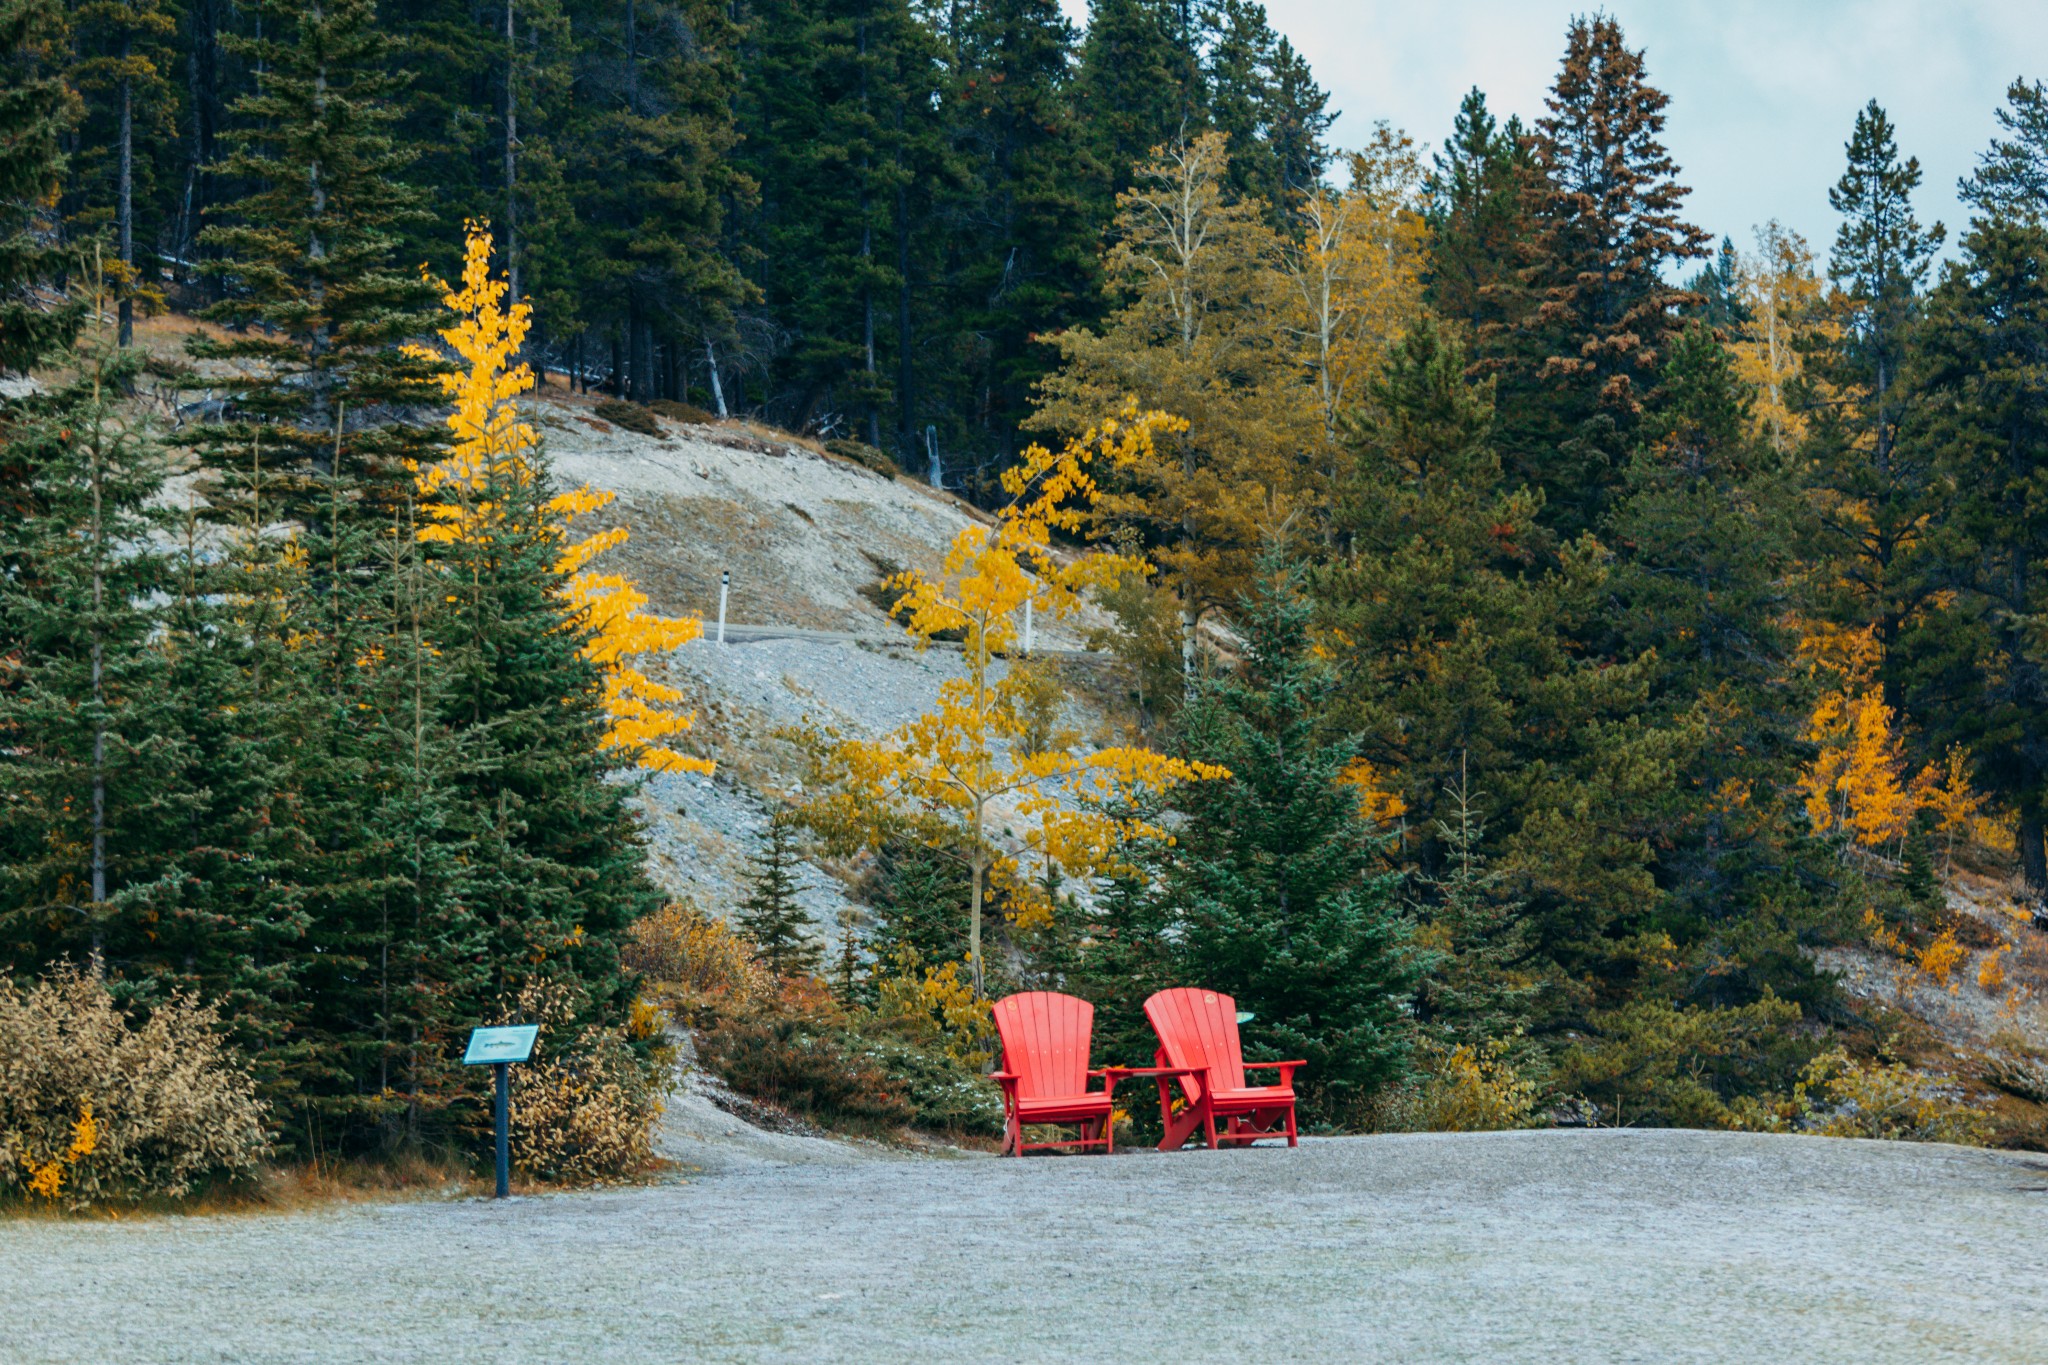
499, 1048
724, 584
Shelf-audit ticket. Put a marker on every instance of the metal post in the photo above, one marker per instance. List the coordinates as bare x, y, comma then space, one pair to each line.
1027, 625
724, 585
504, 1116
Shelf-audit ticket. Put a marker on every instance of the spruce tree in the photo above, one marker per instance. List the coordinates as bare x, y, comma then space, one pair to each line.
1140, 85
1706, 583
919, 897
1022, 231
1479, 190
1279, 882
1971, 668
87, 743
1583, 358
770, 915
1481, 985
1460, 617
1872, 490
36, 110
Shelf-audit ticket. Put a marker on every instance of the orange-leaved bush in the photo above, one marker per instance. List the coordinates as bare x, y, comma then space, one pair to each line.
468, 495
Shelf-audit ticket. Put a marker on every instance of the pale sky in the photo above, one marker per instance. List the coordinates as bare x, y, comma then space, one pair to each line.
1763, 92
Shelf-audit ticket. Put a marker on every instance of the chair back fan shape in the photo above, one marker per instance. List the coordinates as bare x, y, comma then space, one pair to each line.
1045, 1042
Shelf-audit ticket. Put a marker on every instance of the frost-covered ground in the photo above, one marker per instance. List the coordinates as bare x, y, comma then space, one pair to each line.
1652, 1246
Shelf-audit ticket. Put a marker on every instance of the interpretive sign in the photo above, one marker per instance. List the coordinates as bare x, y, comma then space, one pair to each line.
498, 1048
513, 1043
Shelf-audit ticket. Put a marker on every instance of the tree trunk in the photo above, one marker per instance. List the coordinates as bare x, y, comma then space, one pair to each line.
124, 210
906, 415
511, 159
2033, 856
717, 390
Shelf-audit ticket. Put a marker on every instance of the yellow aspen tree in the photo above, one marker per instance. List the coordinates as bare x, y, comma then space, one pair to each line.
1356, 272
954, 768
1200, 332
1782, 295
495, 451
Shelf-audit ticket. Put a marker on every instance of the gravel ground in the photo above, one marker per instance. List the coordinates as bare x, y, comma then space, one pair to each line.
1544, 1246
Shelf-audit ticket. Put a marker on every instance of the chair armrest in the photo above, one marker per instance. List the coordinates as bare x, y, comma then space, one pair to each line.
1267, 1066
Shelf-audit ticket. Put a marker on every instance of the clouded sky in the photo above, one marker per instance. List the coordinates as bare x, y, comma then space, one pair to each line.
1763, 92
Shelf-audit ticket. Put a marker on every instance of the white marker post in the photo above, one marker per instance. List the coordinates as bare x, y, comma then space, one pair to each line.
498, 1048
724, 585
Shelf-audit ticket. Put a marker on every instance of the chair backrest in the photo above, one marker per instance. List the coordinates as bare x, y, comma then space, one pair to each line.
1198, 1028
1045, 1042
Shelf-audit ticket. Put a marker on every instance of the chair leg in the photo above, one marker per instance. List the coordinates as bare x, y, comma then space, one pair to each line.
1209, 1124
1290, 1127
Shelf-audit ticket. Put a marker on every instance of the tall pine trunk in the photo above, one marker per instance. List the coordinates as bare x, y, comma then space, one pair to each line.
124, 211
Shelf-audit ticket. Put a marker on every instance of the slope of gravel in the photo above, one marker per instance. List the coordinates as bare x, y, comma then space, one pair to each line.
1542, 1247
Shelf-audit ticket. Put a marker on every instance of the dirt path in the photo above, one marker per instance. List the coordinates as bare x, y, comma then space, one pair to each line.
1545, 1246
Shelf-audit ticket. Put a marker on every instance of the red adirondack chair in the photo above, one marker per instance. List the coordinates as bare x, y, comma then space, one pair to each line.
1045, 1071
1198, 1032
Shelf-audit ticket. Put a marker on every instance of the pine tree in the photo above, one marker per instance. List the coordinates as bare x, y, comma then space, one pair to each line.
1719, 288
1872, 490
1141, 85
1278, 878
1455, 620
125, 54
1481, 987
1971, 668
1600, 316
36, 109
1022, 231
1706, 522
919, 896
1479, 191
770, 915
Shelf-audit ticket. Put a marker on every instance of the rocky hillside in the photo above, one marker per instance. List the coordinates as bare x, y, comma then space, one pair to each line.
807, 537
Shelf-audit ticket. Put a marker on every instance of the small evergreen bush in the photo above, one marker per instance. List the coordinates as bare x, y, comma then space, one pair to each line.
631, 416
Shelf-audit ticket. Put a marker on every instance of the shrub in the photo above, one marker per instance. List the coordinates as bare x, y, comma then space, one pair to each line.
805, 1067
1464, 1089
682, 412
937, 1009
631, 416
944, 1095
96, 1105
584, 1106
1657, 1063
1879, 1100
697, 961
865, 455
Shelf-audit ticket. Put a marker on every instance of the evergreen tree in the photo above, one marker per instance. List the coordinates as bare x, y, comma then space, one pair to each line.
770, 915
1261, 95
1141, 85
125, 54
1718, 286
919, 897
36, 109
1481, 986
1479, 191
1972, 669
1871, 490
1278, 879
1458, 617
1599, 316
1023, 231
1706, 523
86, 741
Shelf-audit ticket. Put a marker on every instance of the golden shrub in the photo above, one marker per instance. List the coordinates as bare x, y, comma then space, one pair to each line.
95, 1105
1462, 1089
938, 1008
1939, 959
696, 957
1991, 972
585, 1105
1880, 1100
